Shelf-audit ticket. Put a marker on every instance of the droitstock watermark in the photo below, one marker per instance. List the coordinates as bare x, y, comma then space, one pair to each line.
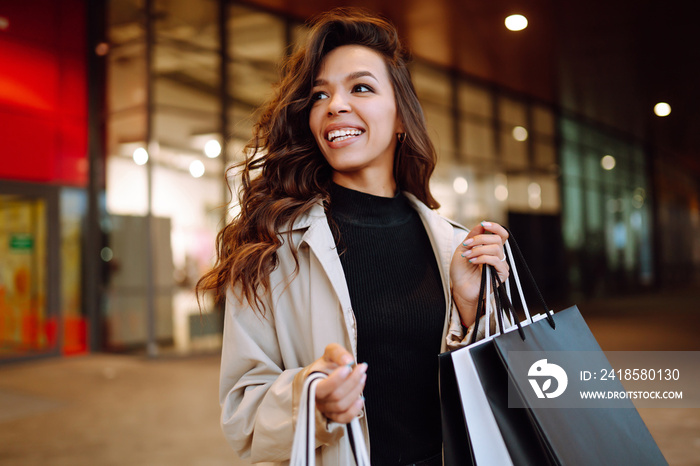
596, 379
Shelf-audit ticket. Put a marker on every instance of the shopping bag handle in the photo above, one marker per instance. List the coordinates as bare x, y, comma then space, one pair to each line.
304, 443
481, 304
490, 276
503, 303
528, 273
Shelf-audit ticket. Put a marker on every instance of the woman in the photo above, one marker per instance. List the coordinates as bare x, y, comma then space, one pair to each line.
337, 256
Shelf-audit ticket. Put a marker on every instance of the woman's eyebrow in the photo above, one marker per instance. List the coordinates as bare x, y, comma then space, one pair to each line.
350, 77
360, 74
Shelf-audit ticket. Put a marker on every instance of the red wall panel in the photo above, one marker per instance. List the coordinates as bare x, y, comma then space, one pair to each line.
43, 92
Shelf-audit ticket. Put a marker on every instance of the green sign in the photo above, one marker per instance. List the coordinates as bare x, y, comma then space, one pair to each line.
22, 241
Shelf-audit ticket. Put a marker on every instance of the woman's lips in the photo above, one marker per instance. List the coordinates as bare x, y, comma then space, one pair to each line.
341, 136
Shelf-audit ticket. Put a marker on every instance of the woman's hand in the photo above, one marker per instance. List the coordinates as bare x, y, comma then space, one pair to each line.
483, 245
339, 396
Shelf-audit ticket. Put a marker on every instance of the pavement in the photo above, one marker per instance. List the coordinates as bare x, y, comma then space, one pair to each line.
107, 409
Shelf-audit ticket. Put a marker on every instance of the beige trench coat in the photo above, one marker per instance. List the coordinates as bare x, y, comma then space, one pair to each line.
263, 358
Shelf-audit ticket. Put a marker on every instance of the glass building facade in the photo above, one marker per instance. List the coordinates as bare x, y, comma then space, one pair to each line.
182, 83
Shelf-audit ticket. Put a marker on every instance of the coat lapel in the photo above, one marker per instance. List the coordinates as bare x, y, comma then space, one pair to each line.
320, 240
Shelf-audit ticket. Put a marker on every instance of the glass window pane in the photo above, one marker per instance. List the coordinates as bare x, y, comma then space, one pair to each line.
188, 23
512, 112
572, 213
477, 140
570, 161
475, 100
126, 77
513, 152
543, 120
591, 166
439, 122
545, 153
432, 84
183, 132
257, 43
125, 21
594, 210
186, 78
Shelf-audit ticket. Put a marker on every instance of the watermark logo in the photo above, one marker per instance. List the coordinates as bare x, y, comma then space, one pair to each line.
542, 369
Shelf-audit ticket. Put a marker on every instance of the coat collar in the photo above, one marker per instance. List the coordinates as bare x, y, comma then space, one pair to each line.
316, 234
320, 239
441, 231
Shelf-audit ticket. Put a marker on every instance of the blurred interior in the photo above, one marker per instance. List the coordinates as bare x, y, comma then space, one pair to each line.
135, 108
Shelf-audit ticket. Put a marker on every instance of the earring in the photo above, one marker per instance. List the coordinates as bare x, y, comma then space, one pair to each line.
401, 137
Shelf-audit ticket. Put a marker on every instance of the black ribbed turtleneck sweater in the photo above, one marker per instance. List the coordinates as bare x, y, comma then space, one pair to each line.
399, 305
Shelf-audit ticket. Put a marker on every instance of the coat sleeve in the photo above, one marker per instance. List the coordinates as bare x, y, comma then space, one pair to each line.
258, 395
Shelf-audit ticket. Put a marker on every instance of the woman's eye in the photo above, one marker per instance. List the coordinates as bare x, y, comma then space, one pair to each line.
318, 96
361, 88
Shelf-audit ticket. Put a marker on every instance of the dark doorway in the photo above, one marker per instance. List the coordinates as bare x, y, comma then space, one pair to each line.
540, 239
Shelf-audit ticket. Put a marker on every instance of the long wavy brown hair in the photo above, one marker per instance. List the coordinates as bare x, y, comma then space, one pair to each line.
285, 174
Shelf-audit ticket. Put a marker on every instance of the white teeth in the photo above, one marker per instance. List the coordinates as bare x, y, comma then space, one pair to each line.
342, 134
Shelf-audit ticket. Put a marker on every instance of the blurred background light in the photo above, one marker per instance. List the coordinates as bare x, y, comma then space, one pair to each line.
535, 202
106, 254
501, 193
519, 133
607, 162
516, 22
197, 168
460, 185
140, 156
534, 189
102, 49
662, 109
212, 148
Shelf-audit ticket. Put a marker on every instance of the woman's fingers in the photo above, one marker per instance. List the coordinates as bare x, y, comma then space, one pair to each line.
484, 245
337, 354
339, 396
496, 229
484, 234
341, 382
346, 416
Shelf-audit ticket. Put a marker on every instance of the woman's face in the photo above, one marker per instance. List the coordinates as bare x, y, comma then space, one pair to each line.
354, 118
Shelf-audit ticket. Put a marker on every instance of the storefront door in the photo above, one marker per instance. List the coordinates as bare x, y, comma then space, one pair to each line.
28, 320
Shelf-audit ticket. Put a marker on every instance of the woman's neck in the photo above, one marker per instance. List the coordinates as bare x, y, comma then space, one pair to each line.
383, 187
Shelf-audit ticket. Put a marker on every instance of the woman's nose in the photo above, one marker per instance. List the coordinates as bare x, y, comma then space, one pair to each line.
338, 104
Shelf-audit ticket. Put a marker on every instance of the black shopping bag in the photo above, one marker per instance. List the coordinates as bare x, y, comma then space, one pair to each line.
595, 435
535, 432
473, 405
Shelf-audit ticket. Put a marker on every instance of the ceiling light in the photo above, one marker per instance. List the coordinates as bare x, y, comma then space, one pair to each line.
662, 109
607, 162
516, 22
102, 49
197, 168
106, 254
501, 193
534, 189
212, 148
519, 133
140, 156
460, 185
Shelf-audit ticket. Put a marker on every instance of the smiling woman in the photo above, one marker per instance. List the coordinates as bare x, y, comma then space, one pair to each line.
338, 262
354, 119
